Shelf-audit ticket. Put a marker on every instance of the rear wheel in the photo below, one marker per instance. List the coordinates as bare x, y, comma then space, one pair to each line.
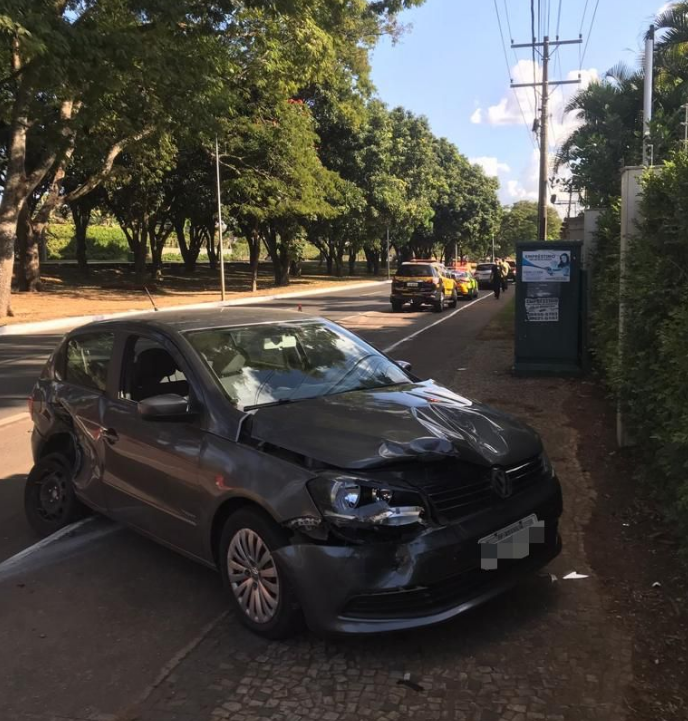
49, 499
258, 587
454, 299
397, 306
438, 305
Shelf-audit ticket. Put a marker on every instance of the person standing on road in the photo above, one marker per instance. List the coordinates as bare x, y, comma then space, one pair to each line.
504, 269
496, 280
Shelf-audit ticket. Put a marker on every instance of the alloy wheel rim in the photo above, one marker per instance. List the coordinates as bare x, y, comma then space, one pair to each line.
253, 576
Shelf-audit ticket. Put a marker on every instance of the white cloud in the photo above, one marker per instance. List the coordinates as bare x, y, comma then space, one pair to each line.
519, 105
526, 186
490, 165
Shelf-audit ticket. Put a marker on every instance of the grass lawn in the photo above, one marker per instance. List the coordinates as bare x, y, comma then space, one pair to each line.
111, 288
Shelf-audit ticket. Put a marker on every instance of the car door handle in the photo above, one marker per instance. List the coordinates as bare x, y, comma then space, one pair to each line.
110, 435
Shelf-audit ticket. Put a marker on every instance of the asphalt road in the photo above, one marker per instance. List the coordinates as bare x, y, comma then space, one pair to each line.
88, 621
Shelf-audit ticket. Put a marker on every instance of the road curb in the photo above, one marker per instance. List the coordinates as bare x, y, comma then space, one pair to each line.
72, 321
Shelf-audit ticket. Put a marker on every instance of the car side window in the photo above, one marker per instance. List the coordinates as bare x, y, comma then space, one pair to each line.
88, 359
149, 370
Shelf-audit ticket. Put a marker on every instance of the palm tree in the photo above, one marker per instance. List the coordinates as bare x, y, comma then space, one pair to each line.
608, 137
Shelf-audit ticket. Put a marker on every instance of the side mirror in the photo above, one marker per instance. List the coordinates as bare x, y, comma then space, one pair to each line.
404, 365
168, 407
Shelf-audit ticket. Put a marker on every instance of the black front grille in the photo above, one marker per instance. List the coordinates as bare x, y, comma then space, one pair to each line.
450, 592
455, 500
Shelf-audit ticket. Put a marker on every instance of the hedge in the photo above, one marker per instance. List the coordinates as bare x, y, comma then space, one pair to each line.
651, 377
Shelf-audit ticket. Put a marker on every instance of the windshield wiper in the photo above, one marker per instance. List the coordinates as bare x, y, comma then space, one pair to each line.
280, 402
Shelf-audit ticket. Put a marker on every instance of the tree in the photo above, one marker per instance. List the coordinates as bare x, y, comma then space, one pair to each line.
520, 222
119, 70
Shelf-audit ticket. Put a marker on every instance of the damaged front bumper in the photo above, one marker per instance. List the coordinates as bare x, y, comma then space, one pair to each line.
387, 586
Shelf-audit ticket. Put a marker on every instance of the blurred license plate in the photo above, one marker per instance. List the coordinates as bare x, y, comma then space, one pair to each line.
511, 542
412, 285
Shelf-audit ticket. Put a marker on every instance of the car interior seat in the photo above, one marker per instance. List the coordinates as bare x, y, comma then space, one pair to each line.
155, 373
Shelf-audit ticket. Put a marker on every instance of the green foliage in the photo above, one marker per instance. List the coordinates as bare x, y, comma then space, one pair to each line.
520, 222
103, 242
651, 376
604, 292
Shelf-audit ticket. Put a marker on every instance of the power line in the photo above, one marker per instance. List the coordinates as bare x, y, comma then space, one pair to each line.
508, 22
580, 34
558, 19
592, 22
508, 70
533, 39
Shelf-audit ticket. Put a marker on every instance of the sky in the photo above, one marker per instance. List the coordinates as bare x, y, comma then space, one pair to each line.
450, 66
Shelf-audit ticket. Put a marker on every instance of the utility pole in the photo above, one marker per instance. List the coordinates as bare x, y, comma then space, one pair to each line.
219, 220
544, 86
647, 95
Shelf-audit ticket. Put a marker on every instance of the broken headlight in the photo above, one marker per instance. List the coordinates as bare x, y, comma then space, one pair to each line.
347, 500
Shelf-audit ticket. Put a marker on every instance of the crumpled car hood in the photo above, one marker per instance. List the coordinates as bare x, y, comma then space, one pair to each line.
374, 428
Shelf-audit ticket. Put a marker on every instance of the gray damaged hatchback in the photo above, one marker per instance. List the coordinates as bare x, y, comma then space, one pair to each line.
319, 476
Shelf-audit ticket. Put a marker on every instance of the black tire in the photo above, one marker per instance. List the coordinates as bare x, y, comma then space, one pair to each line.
49, 499
286, 618
438, 305
454, 299
397, 307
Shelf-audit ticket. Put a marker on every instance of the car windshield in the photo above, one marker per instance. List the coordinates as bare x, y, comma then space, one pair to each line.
414, 271
463, 276
272, 363
485, 266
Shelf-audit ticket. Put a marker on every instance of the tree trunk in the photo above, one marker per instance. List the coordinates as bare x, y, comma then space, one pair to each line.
29, 266
279, 254
140, 247
330, 264
254, 258
82, 218
212, 252
339, 263
352, 262
187, 256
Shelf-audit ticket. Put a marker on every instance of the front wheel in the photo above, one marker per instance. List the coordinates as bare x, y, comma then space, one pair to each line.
258, 587
49, 499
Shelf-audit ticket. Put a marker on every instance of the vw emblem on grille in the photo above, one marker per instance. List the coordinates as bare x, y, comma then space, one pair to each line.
501, 483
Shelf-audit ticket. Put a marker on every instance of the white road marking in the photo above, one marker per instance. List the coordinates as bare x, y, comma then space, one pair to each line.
14, 419
20, 557
390, 348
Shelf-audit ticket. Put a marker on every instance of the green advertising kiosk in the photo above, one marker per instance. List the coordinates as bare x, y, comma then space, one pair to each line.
548, 308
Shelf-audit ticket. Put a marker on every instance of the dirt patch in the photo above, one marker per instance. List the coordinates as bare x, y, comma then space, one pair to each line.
631, 549
111, 289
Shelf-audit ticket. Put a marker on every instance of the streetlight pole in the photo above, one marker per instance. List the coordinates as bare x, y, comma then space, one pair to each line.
219, 220
388, 271
493, 247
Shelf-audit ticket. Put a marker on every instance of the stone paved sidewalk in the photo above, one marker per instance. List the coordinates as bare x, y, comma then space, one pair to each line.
547, 650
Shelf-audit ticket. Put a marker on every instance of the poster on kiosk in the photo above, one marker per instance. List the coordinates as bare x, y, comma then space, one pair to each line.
548, 308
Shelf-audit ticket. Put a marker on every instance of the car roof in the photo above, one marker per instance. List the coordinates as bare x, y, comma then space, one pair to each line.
197, 318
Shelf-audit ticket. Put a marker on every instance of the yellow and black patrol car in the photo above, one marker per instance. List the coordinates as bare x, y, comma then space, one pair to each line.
423, 282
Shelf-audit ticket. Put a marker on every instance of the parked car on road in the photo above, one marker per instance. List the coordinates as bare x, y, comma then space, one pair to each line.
466, 284
423, 283
483, 274
512, 271
321, 478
